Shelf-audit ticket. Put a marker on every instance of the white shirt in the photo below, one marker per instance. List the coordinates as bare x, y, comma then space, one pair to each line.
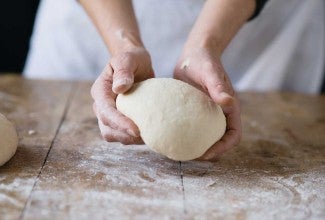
282, 49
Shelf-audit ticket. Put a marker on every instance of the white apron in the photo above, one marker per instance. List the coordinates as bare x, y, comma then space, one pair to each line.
282, 49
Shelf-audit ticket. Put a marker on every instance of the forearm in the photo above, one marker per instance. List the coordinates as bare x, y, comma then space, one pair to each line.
218, 23
116, 23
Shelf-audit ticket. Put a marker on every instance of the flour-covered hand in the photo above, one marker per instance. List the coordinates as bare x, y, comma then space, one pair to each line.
118, 76
202, 69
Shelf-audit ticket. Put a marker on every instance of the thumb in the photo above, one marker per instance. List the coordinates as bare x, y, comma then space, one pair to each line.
124, 68
219, 90
122, 81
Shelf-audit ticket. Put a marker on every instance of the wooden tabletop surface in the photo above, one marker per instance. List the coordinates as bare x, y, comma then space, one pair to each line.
64, 170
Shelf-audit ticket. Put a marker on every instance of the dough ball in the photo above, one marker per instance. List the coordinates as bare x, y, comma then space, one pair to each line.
8, 140
174, 118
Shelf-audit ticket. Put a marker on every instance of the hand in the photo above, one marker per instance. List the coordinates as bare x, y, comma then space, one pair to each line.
118, 76
202, 69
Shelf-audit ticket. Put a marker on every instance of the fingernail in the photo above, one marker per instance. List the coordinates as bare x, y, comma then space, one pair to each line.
132, 133
120, 82
225, 95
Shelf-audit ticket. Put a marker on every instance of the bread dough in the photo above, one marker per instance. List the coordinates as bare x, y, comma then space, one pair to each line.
175, 119
8, 140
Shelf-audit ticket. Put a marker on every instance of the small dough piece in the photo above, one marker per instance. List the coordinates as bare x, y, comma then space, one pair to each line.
8, 140
175, 119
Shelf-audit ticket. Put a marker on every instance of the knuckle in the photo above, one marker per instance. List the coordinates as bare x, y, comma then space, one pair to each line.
222, 86
104, 120
219, 85
122, 59
108, 137
127, 141
138, 141
123, 72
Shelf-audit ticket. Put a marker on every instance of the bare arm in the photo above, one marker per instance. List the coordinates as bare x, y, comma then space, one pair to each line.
218, 23
129, 62
200, 63
116, 23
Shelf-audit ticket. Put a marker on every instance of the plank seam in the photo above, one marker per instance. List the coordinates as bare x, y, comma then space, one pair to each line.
63, 117
183, 188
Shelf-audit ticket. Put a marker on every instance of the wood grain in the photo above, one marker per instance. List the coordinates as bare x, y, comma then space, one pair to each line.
36, 108
85, 177
277, 171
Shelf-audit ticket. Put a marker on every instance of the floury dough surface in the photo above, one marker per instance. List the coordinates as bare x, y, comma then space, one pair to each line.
8, 140
175, 119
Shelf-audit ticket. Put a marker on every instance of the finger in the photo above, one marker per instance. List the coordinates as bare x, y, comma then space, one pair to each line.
105, 107
110, 116
123, 81
124, 67
111, 135
101, 91
218, 85
231, 137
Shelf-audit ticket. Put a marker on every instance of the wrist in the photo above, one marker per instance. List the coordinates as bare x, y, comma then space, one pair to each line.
120, 40
204, 41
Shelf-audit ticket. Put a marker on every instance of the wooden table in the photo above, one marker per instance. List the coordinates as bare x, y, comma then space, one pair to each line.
64, 170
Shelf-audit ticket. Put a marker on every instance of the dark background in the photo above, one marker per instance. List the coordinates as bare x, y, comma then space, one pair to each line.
16, 25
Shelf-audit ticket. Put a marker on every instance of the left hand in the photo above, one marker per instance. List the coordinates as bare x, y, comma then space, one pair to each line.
203, 69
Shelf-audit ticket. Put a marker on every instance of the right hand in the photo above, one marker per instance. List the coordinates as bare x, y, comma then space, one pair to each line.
118, 76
